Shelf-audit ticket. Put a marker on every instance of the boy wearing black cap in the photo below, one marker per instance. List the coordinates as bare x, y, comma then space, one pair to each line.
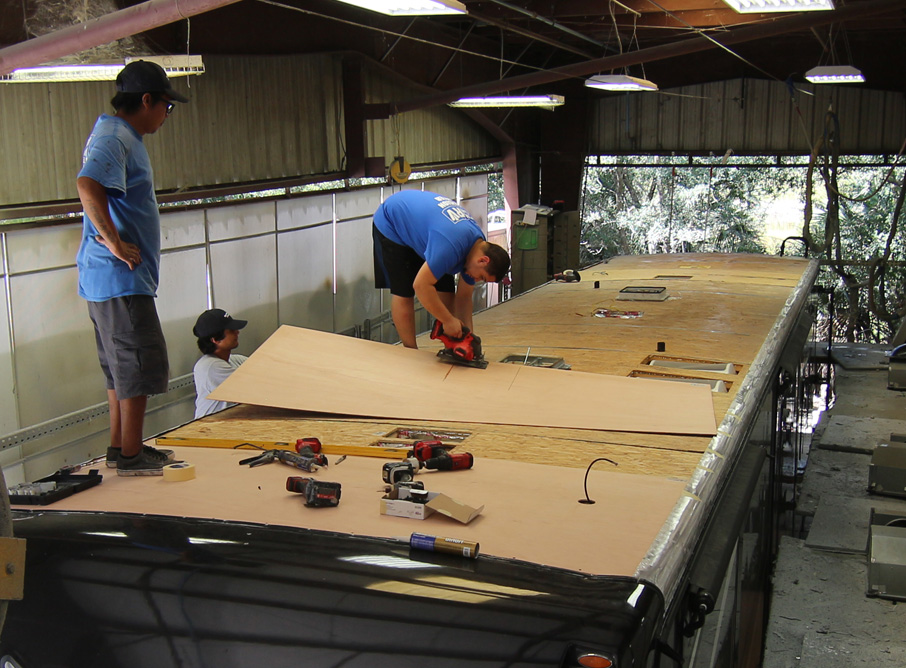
218, 337
119, 258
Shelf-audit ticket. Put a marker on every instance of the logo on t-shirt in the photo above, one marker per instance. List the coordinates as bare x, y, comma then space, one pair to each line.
452, 210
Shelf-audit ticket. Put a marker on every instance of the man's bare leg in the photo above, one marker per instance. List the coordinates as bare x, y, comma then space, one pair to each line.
132, 414
403, 311
116, 429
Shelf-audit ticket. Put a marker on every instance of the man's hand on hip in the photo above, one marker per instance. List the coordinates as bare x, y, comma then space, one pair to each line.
128, 253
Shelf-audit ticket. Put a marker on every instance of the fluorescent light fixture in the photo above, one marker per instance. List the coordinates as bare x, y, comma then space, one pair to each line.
175, 66
619, 82
543, 101
768, 6
410, 7
54, 73
835, 74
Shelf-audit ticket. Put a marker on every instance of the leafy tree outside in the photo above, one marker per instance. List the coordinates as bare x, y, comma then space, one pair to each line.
751, 206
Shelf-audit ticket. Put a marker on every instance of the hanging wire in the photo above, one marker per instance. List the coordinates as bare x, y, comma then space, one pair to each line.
476, 54
702, 33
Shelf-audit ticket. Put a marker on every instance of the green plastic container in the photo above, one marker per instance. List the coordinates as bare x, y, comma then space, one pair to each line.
526, 237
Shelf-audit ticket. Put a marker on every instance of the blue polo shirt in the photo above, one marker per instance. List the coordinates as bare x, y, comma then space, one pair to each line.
435, 227
115, 157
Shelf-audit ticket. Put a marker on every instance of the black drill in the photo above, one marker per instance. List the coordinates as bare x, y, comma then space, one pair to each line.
317, 493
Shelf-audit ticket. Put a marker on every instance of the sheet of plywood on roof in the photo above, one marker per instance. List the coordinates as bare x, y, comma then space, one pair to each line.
309, 370
734, 336
664, 455
530, 511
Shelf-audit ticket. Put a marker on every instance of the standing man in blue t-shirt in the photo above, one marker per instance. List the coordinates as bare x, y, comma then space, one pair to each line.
119, 258
421, 240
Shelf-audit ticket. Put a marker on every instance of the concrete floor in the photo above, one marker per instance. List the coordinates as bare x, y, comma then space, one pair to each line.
820, 615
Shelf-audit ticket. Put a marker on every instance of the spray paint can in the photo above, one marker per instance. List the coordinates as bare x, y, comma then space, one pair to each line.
457, 546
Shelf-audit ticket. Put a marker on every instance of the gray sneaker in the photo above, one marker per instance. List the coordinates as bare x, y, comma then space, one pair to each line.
141, 464
168, 455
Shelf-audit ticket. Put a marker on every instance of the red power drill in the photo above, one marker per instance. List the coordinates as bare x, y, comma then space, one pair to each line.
311, 447
317, 493
435, 455
465, 350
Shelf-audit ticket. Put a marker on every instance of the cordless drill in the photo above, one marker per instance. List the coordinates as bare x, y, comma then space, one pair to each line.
311, 447
317, 493
299, 461
435, 455
397, 472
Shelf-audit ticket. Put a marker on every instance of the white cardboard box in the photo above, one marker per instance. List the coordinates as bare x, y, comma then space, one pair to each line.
437, 502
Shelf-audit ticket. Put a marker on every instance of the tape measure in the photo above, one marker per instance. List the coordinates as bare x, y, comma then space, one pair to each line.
400, 170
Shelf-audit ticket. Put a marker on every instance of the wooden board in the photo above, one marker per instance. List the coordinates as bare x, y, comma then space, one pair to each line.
530, 511
669, 456
309, 370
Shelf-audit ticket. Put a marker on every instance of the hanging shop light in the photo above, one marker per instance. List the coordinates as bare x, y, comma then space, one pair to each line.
826, 74
619, 82
410, 7
174, 66
768, 6
542, 101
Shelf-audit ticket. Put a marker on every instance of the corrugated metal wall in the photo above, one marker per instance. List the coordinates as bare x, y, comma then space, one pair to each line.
748, 116
250, 119
425, 136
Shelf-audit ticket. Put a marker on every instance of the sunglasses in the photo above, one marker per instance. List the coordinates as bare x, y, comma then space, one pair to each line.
170, 106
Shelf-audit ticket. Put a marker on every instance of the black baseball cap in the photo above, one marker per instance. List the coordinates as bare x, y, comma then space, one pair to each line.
214, 321
144, 76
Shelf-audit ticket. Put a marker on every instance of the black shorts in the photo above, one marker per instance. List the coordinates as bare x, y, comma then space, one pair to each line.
131, 346
395, 267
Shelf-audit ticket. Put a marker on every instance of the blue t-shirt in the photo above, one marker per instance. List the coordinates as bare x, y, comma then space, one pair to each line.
434, 226
115, 157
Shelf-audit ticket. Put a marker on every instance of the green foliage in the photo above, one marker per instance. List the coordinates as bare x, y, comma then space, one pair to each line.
635, 209
751, 206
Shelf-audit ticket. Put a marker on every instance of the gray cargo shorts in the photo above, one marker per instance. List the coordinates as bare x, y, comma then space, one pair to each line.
131, 346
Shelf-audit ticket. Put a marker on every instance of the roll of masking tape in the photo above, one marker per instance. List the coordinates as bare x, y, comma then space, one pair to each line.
179, 472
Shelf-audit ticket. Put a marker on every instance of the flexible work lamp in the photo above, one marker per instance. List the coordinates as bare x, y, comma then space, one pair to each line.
768, 6
834, 74
543, 101
410, 7
619, 82
174, 66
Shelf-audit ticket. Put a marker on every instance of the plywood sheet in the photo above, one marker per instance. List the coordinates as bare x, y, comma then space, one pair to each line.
309, 370
531, 512
669, 456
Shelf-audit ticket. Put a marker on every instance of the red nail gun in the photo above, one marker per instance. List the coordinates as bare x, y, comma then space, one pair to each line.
465, 351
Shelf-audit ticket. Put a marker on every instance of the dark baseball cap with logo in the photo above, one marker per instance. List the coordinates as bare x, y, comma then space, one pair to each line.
144, 76
214, 321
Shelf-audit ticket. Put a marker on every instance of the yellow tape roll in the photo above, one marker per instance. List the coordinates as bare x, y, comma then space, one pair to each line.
179, 472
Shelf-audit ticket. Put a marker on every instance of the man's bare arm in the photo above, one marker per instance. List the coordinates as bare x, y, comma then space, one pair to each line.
427, 294
94, 202
463, 303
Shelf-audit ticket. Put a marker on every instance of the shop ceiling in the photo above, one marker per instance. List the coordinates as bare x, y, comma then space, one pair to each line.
537, 46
